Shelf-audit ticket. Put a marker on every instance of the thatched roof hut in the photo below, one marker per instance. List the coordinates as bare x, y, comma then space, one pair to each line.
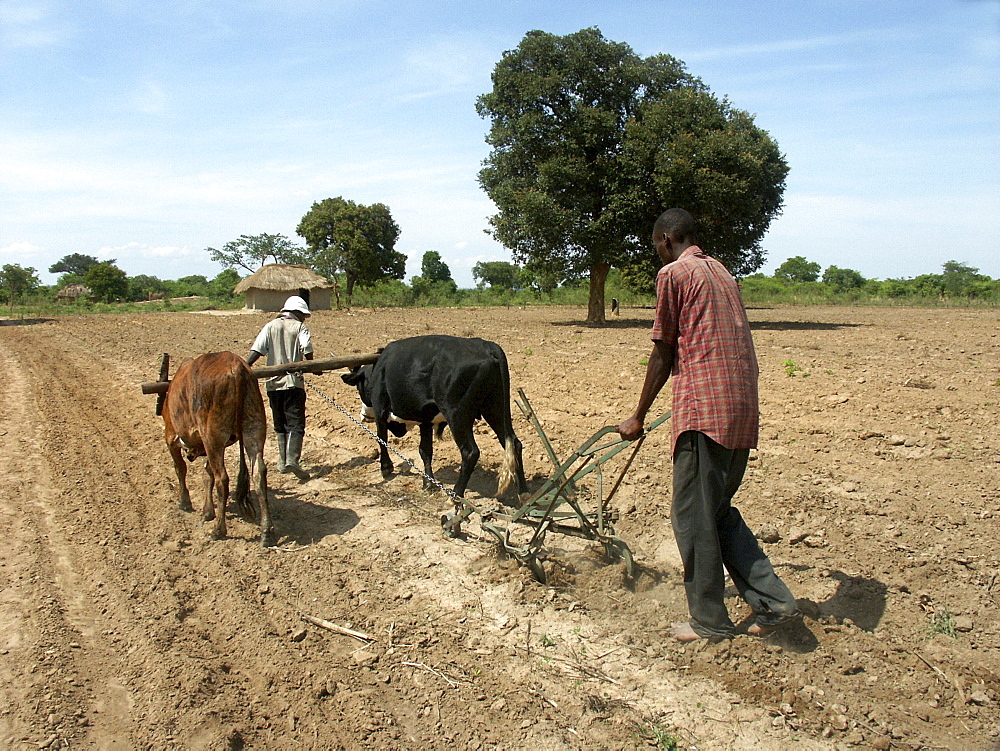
73, 292
269, 287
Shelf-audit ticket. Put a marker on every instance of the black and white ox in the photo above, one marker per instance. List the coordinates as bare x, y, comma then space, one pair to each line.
430, 379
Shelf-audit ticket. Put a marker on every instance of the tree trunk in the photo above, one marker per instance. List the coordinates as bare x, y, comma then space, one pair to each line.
350, 287
595, 305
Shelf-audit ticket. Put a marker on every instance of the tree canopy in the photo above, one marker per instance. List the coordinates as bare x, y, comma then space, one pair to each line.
798, 269
590, 142
16, 280
843, 279
250, 252
433, 269
76, 264
497, 274
144, 286
434, 279
107, 282
360, 241
958, 277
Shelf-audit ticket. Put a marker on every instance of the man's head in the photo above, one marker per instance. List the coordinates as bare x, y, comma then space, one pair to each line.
297, 306
674, 232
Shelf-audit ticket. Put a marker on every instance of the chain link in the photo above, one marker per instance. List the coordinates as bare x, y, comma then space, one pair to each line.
447, 491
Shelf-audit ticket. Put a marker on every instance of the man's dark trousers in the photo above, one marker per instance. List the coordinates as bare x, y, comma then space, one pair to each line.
711, 534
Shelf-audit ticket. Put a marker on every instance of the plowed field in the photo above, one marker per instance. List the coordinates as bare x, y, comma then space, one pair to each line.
876, 490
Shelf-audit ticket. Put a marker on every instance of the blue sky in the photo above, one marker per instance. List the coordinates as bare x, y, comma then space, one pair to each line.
148, 132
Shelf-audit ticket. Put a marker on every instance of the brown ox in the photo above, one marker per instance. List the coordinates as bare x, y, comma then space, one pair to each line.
213, 402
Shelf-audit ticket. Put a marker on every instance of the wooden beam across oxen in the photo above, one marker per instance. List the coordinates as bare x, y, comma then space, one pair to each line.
269, 371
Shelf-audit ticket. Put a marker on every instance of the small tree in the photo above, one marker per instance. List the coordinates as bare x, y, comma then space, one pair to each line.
541, 276
107, 282
798, 269
433, 269
223, 284
435, 280
16, 280
359, 241
143, 287
843, 279
188, 286
958, 278
497, 274
250, 252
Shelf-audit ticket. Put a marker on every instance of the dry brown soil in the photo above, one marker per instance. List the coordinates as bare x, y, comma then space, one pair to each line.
876, 488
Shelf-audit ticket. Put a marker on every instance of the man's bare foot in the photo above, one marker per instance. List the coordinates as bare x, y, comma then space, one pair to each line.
683, 632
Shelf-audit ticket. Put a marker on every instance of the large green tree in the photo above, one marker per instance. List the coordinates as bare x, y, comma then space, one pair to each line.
692, 150
591, 142
250, 252
359, 241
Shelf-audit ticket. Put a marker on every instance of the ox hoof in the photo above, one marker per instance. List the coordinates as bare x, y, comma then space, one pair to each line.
268, 539
185, 506
217, 535
387, 474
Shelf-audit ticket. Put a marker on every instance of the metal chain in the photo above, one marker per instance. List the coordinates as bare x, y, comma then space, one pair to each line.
448, 491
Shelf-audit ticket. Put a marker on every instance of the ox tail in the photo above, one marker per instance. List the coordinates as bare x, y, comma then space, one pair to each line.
509, 468
508, 471
244, 503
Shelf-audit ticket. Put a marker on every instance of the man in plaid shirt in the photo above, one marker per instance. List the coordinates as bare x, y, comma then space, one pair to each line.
701, 336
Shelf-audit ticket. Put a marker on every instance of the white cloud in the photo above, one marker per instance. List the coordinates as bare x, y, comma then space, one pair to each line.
444, 65
137, 250
886, 238
881, 36
29, 25
20, 253
150, 98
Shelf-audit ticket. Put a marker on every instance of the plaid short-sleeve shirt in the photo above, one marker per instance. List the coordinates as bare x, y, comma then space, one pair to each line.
701, 318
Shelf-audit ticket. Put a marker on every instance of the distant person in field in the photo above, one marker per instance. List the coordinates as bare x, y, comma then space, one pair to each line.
284, 340
701, 336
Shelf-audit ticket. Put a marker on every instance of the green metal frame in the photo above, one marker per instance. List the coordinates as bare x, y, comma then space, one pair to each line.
555, 506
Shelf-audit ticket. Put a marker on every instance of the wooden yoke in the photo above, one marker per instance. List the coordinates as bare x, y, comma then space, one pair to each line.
302, 366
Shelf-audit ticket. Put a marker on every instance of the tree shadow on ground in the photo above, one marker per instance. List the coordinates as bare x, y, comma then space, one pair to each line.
23, 321
801, 326
646, 323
